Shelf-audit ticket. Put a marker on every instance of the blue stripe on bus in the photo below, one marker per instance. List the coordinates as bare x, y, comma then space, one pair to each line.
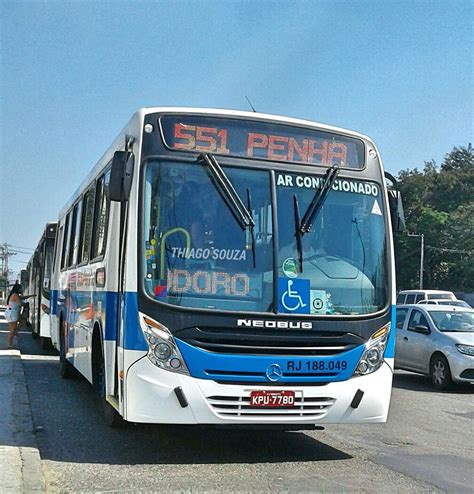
111, 302
134, 339
196, 359
54, 302
253, 368
390, 348
105, 307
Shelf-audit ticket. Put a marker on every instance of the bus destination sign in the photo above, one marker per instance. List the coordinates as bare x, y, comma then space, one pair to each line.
261, 140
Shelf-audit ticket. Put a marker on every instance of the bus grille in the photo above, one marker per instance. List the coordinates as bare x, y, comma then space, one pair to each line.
239, 406
265, 342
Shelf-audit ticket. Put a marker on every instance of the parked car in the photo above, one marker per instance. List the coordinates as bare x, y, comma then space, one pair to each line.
436, 340
452, 303
415, 296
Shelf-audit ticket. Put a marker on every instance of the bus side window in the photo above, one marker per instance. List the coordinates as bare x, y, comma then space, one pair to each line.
86, 226
57, 243
400, 298
64, 249
101, 216
73, 240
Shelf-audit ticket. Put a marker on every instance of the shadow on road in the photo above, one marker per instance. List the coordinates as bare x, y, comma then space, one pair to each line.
418, 382
69, 428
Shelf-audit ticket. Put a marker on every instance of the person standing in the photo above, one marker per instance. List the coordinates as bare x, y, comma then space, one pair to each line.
12, 314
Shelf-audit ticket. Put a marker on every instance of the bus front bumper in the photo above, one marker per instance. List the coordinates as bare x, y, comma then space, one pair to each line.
158, 396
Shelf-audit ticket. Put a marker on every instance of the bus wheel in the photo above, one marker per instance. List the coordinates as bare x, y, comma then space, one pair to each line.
111, 417
65, 368
440, 373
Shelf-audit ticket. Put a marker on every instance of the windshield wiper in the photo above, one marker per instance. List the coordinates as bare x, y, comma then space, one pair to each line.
227, 191
251, 227
224, 186
318, 200
313, 209
299, 247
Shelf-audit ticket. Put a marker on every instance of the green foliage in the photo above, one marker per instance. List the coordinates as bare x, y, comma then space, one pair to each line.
440, 204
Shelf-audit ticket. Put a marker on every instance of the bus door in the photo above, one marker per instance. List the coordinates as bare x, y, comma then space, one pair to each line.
118, 191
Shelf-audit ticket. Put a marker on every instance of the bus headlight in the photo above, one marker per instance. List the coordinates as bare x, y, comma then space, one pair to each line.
162, 349
372, 358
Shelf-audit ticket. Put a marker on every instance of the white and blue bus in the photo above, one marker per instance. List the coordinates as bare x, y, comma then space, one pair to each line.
36, 284
232, 268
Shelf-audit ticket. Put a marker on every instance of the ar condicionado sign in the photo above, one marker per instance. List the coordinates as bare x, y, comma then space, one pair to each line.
261, 140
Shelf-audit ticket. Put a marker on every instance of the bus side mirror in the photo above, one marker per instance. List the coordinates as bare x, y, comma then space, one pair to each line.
396, 205
121, 175
396, 210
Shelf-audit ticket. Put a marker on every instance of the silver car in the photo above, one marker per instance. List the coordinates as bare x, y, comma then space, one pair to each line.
436, 340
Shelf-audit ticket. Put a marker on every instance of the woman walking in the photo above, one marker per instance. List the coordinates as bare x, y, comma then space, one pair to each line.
12, 314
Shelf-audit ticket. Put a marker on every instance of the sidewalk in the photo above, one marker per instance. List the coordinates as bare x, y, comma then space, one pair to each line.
20, 462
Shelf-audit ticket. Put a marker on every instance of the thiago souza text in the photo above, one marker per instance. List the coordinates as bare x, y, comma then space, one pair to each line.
209, 253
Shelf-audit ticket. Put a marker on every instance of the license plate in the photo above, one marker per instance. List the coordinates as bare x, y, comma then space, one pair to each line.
316, 366
270, 399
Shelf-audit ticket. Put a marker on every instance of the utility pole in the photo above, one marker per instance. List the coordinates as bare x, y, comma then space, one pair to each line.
422, 254
4, 270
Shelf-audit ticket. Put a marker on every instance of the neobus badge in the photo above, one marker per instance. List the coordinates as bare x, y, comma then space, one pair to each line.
261, 323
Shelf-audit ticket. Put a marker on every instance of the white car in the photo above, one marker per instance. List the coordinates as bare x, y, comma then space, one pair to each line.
452, 303
436, 340
414, 296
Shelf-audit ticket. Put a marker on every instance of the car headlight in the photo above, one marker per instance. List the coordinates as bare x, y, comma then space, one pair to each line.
466, 349
372, 358
162, 349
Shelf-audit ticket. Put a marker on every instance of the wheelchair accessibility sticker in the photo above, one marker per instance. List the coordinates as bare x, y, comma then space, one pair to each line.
293, 296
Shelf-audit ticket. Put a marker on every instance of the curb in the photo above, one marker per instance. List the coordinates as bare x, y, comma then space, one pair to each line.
19, 452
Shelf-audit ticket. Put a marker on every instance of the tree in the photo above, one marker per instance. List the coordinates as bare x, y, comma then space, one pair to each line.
439, 204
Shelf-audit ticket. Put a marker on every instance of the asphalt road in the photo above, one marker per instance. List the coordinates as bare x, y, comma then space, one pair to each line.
427, 445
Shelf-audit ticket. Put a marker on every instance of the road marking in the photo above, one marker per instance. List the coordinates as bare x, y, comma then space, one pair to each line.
9, 352
40, 357
19, 332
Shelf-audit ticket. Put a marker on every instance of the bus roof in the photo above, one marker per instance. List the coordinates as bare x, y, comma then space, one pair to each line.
138, 117
251, 116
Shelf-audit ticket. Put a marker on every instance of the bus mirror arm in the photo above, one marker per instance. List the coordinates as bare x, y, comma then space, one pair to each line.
396, 205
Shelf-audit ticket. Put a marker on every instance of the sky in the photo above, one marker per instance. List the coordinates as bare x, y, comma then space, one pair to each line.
73, 72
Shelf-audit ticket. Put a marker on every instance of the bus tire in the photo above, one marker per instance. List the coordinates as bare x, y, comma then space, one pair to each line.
110, 416
65, 368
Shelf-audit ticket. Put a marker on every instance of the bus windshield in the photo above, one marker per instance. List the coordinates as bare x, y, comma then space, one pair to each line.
343, 268
196, 253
